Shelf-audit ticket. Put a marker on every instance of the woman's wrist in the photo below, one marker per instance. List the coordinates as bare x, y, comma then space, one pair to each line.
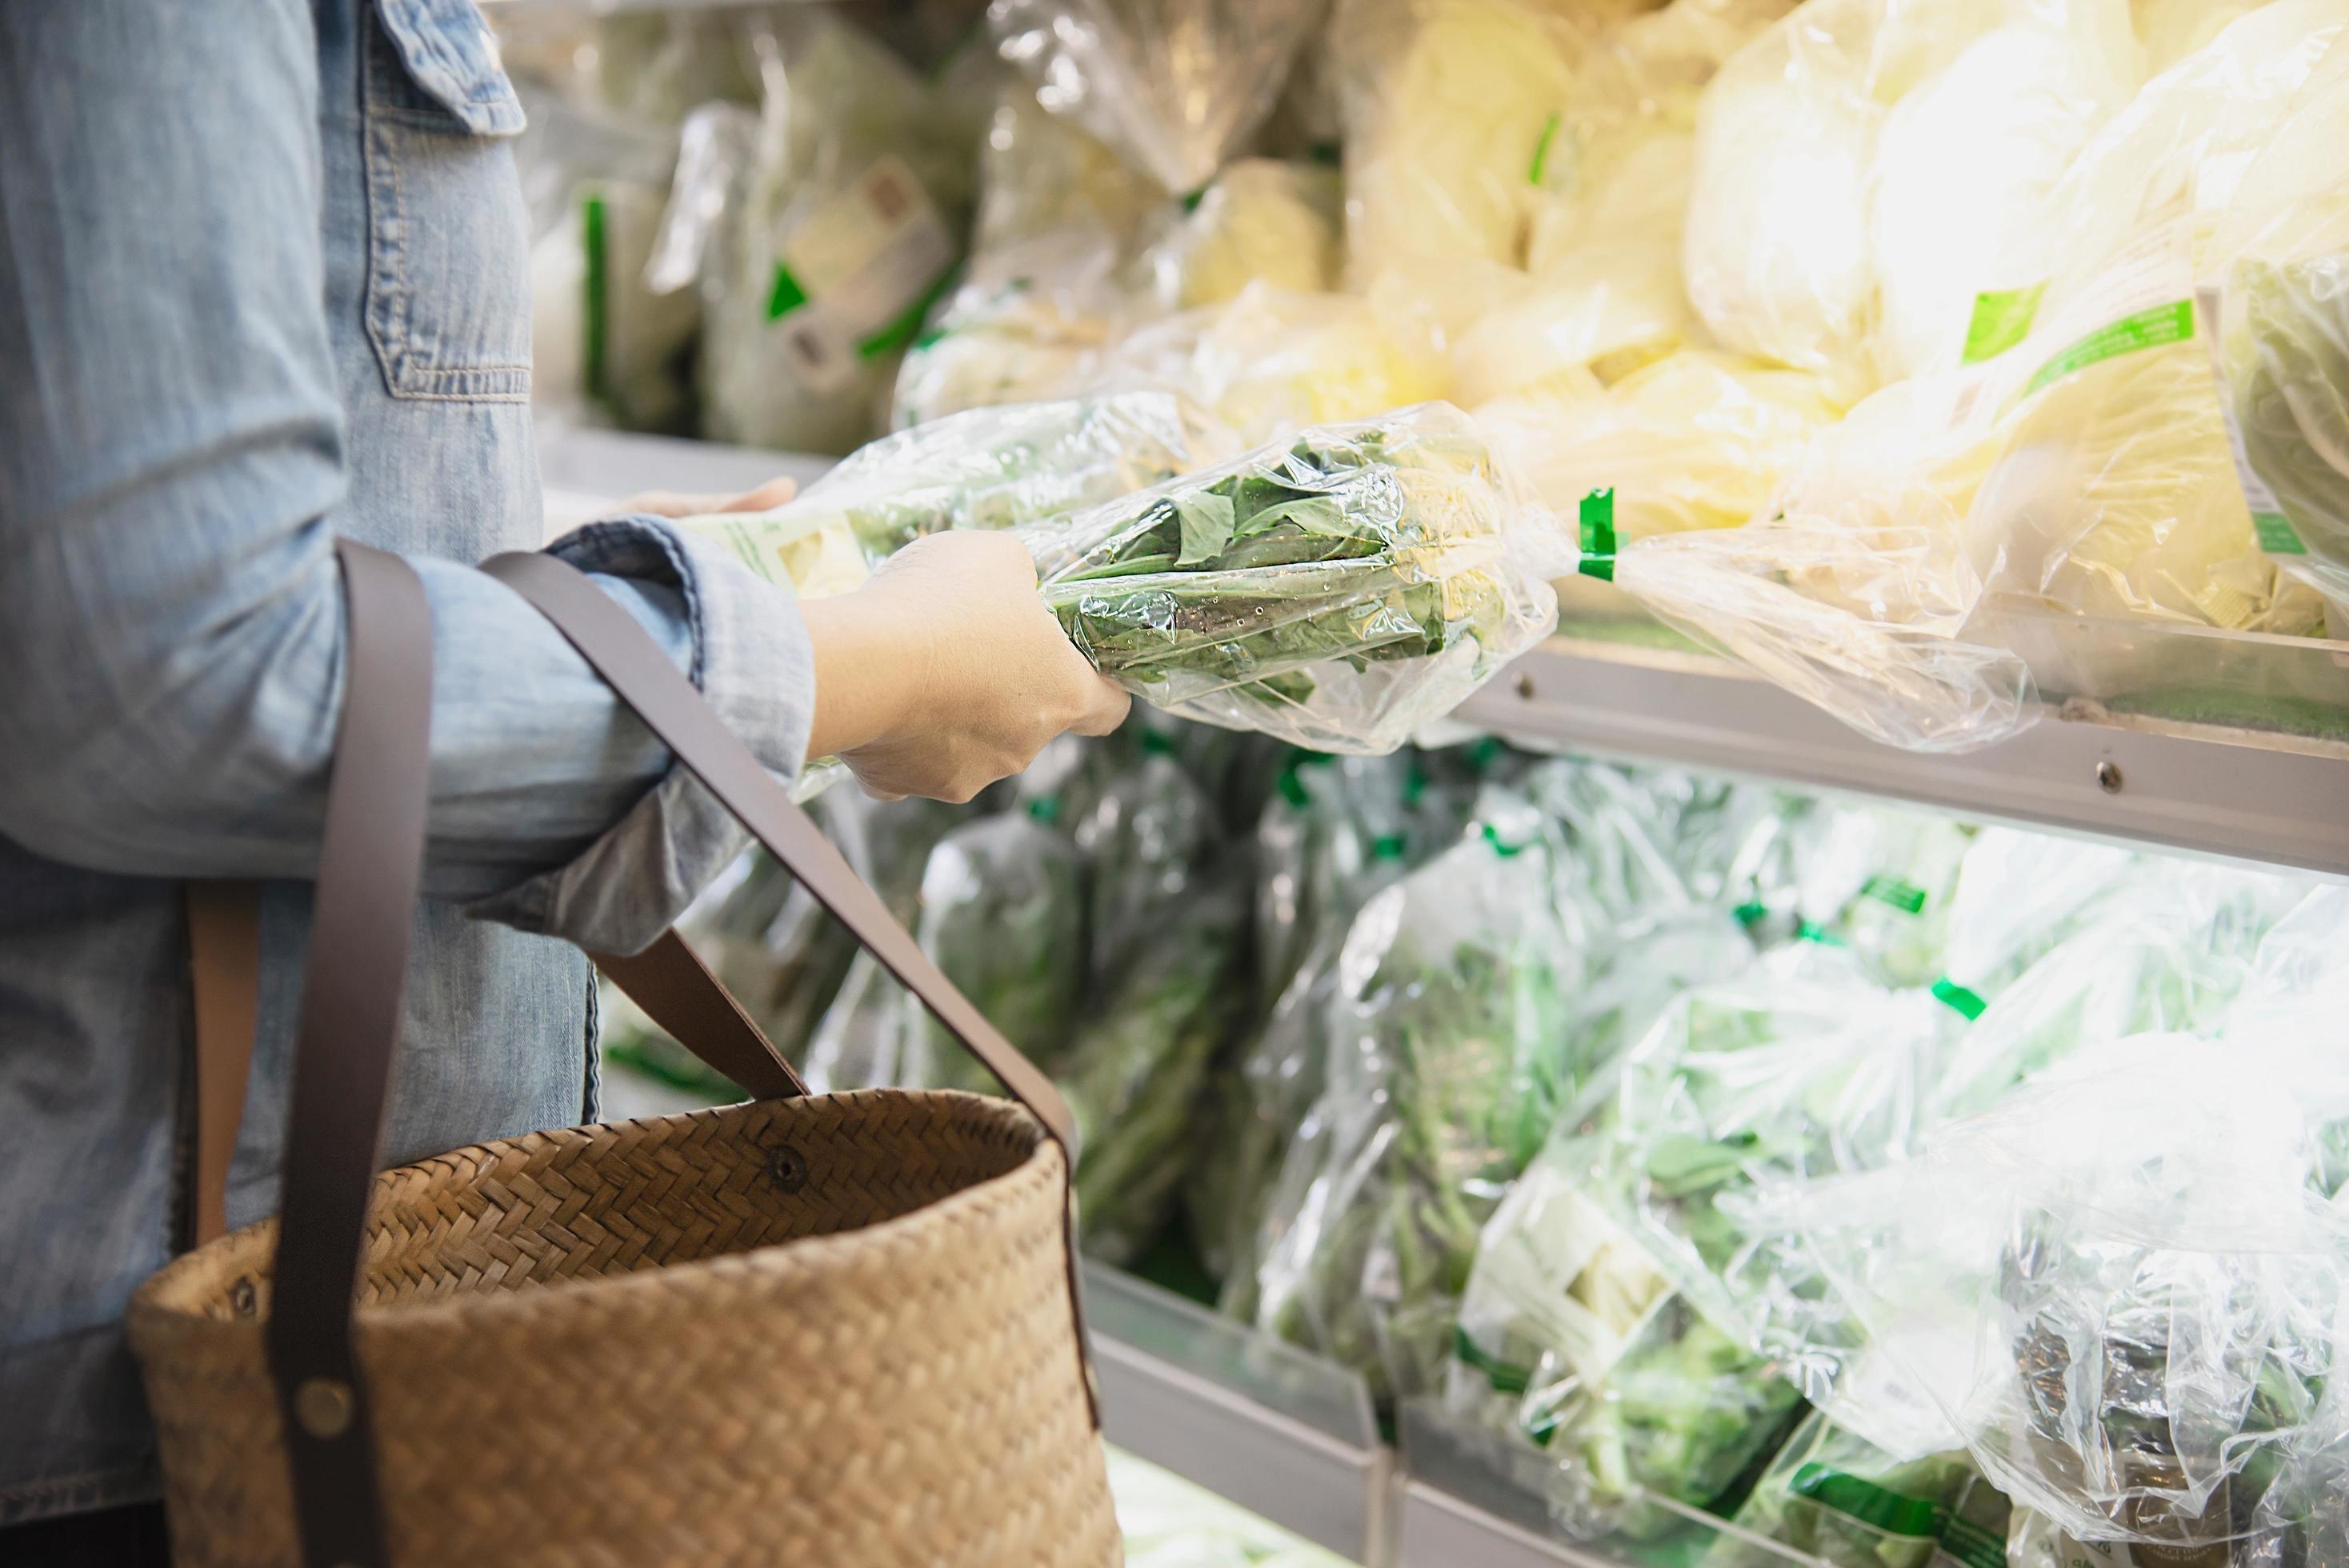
868, 672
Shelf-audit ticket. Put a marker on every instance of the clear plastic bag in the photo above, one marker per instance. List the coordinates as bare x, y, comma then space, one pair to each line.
2130, 1298
1044, 293
1260, 219
1446, 1067
1695, 440
1174, 85
831, 244
1269, 361
1445, 104
984, 469
1338, 593
1003, 915
2278, 285
2116, 493
1337, 830
1866, 167
1137, 1065
1840, 1499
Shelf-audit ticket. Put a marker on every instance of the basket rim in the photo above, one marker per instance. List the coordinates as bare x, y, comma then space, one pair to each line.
151, 1308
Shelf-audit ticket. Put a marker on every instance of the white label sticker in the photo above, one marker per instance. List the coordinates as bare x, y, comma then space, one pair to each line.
851, 268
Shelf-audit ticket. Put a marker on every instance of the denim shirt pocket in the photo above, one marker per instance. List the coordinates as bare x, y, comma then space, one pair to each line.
448, 282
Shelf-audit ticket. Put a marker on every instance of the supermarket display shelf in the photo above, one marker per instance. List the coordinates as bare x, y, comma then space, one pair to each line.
1283, 1435
2084, 768
1292, 1438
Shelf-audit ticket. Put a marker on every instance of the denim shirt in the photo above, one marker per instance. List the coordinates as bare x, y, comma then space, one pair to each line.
262, 281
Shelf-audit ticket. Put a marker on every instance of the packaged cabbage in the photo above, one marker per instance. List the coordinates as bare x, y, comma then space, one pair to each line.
985, 468
1695, 440
1967, 165
1337, 592
1446, 1067
1840, 1499
1176, 85
2116, 492
1260, 219
1610, 308
1445, 106
1270, 361
1865, 169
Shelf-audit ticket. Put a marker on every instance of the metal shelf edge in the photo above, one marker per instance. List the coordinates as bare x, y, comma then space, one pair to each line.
1268, 1463
2182, 787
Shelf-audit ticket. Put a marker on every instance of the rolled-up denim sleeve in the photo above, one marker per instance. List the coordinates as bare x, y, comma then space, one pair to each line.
171, 621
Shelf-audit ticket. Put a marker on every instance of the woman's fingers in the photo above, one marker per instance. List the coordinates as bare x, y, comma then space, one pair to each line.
775, 492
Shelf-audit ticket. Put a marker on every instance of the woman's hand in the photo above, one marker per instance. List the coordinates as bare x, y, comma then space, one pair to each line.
944, 672
676, 504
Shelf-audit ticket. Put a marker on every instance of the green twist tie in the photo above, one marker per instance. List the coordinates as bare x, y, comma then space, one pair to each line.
1540, 165
1154, 744
1598, 535
1045, 809
1752, 913
1966, 1002
1905, 896
1806, 932
1506, 1376
1387, 847
1500, 846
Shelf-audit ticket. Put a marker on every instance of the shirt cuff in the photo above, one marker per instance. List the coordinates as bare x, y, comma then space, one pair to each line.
747, 651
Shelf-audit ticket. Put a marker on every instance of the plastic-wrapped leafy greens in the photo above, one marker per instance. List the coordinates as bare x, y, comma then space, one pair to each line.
1446, 1067
1175, 85
1003, 914
1144, 838
1337, 830
1138, 1063
831, 244
986, 468
1840, 1499
1570, 1339
1337, 592
2130, 1299
1167, 1523
1883, 879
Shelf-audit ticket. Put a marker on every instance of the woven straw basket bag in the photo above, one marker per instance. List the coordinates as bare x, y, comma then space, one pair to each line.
823, 1330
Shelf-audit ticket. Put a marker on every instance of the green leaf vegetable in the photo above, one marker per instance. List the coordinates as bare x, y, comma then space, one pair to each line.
1137, 1067
1003, 916
1447, 1070
1338, 592
1839, 1498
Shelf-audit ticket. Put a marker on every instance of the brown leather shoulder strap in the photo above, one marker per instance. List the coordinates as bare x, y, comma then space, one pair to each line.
677, 991
648, 682
225, 973
370, 864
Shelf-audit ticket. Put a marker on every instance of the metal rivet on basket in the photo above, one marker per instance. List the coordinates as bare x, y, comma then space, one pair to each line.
787, 1167
2109, 777
243, 1299
322, 1405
